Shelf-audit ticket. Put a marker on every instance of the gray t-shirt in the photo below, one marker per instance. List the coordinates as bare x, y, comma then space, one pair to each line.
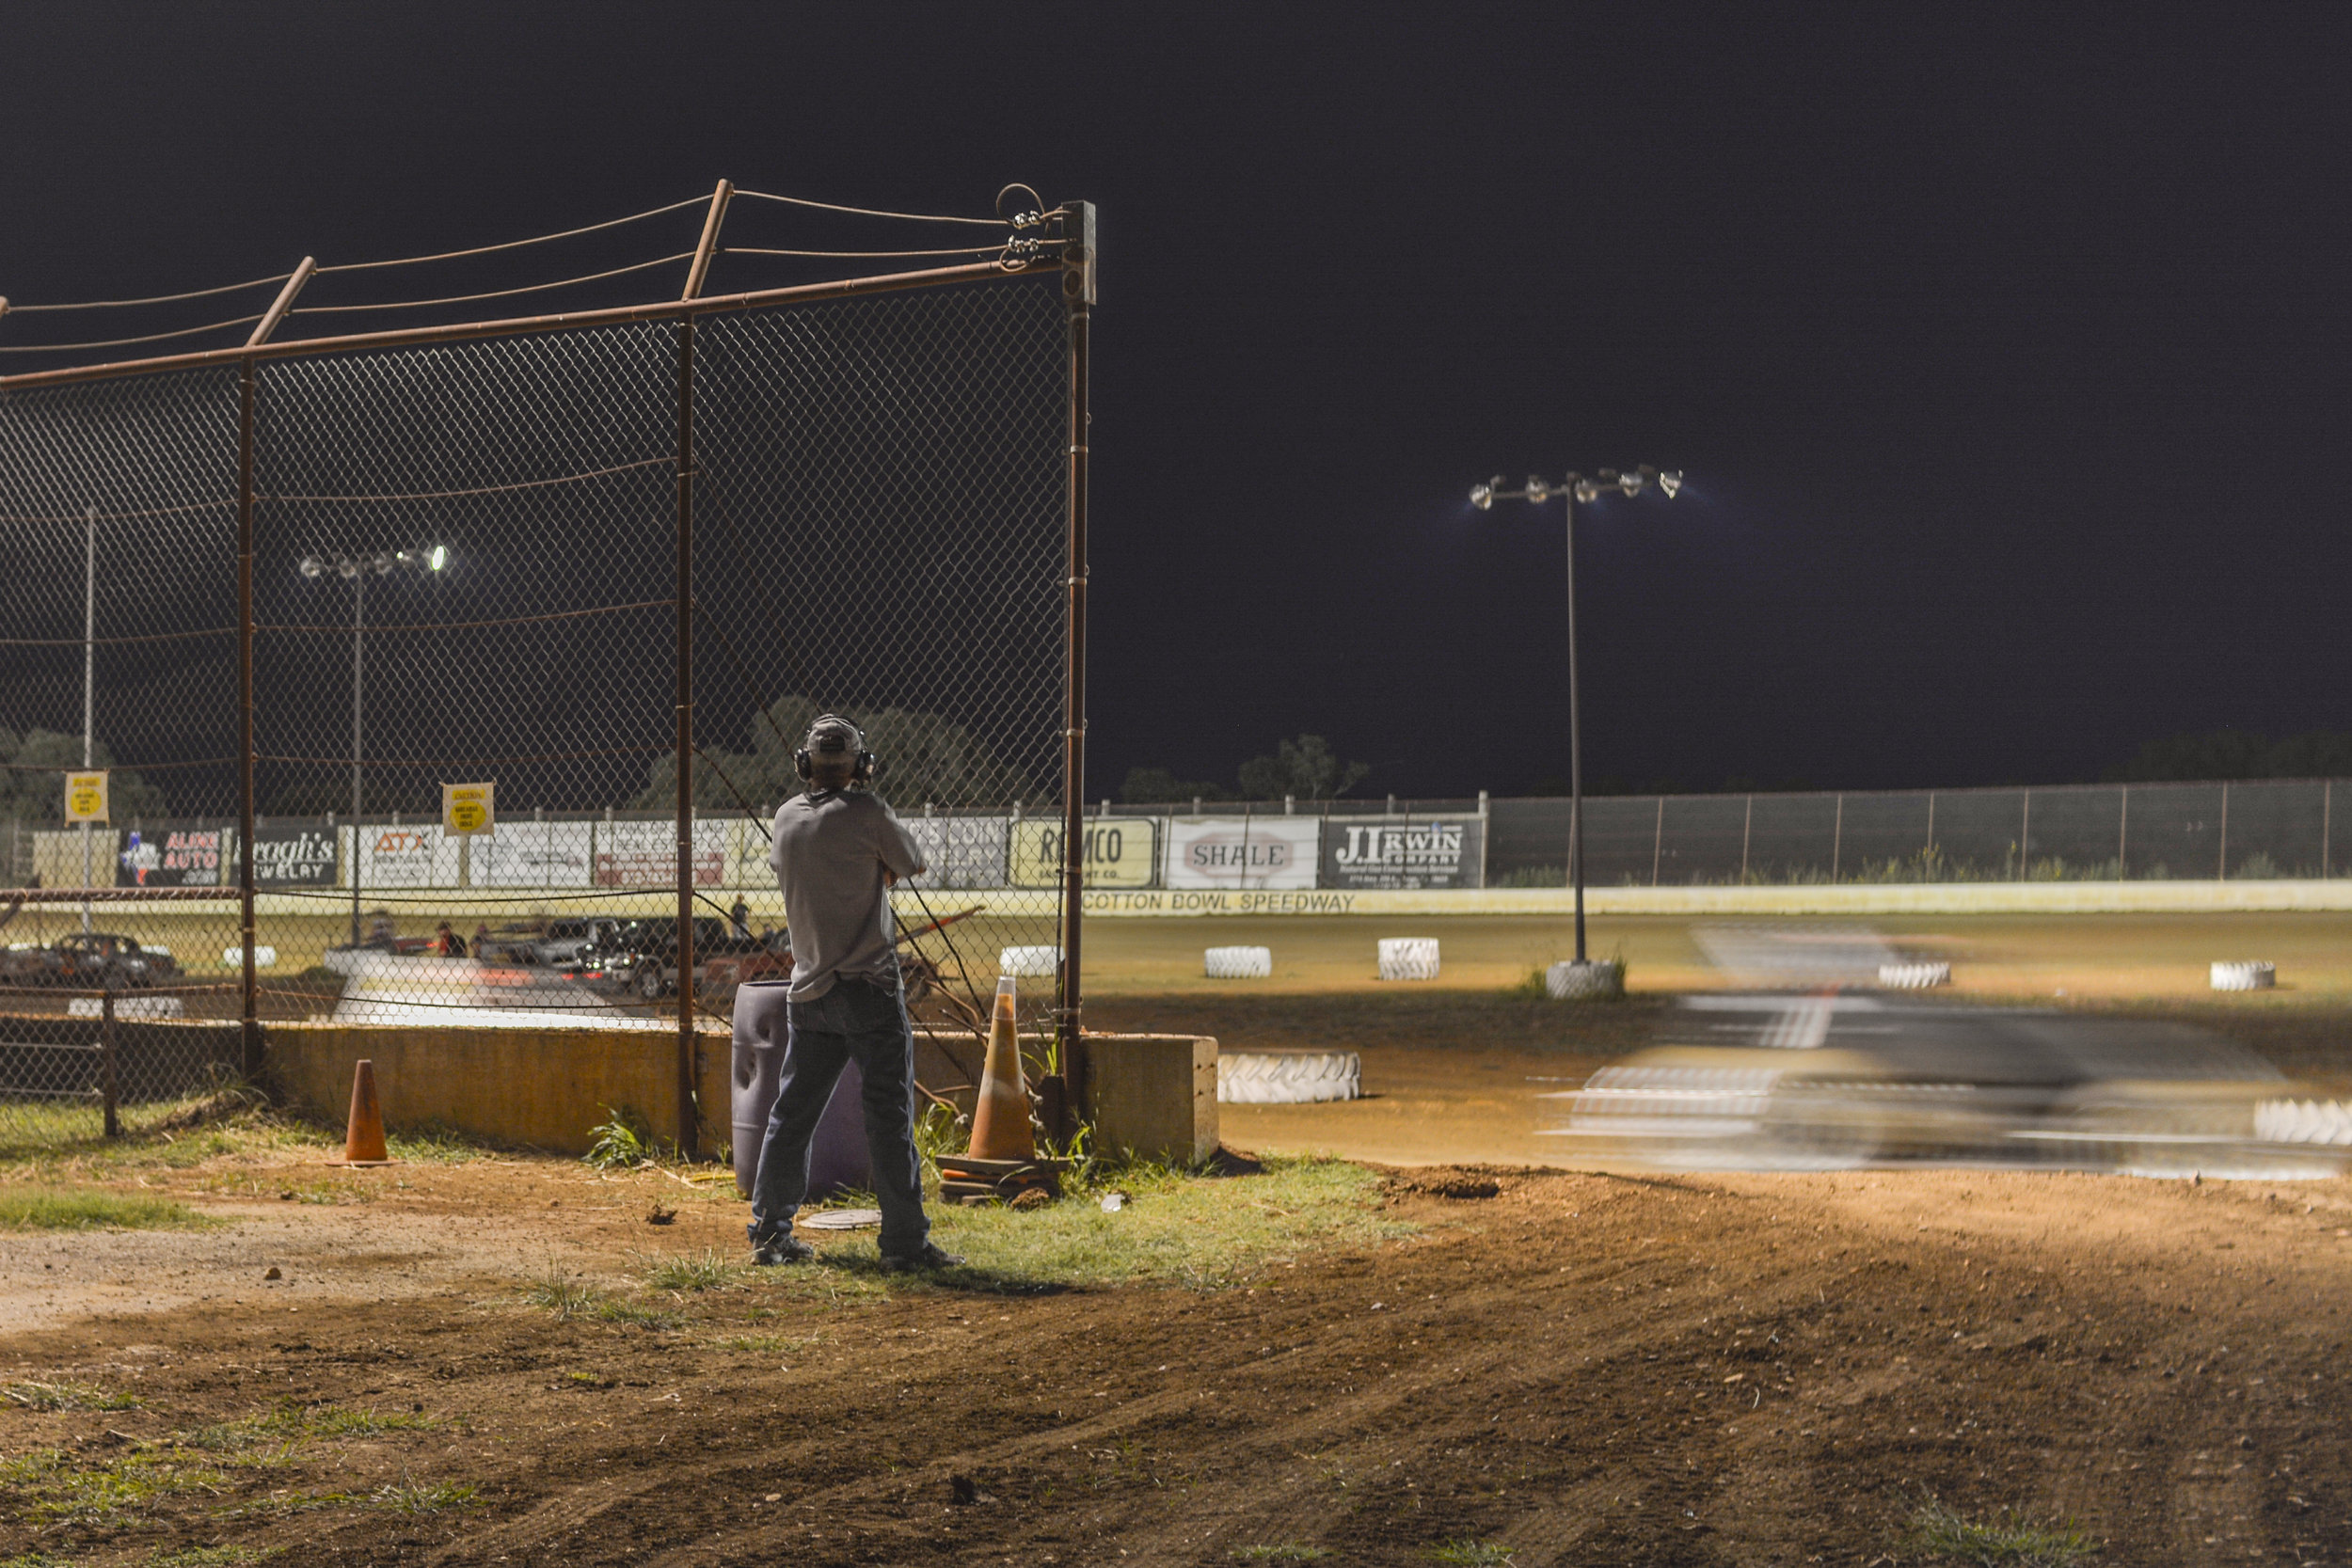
830, 851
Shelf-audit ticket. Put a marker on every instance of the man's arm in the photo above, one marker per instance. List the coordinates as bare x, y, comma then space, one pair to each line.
895, 847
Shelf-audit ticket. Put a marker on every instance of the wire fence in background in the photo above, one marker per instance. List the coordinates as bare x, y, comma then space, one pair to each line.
2248, 831
575, 563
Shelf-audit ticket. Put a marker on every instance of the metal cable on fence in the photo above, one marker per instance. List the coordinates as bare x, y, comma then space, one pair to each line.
150, 299
516, 244
872, 213
123, 343
490, 294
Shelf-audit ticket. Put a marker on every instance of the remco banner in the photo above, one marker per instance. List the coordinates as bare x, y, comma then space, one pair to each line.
1388, 853
1118, 851
1242, 852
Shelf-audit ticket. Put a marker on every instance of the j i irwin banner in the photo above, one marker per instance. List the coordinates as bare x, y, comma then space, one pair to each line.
1118, 851
1382, 852
1242, 852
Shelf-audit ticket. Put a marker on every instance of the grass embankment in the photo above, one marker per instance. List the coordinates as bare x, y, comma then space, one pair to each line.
74, 1209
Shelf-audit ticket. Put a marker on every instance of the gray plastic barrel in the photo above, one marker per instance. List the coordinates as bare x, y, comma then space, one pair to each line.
836, 1154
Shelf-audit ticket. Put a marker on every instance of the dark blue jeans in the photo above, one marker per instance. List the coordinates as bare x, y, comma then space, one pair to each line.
866, 1024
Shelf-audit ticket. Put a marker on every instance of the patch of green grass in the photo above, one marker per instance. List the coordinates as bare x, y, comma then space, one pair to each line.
289, 1423
64, 1396
2009, 1541
291, 1503
1178, 1228
624, 1140
1283, 1551
570, 1298
773, 1344
709, 1270
36, 1560
212, 1557
1467, 1553
434, 1143
413, 1497
49, 1484
79, 1208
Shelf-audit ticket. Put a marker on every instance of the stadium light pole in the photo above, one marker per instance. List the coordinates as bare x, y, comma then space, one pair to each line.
355, 569
1571, 490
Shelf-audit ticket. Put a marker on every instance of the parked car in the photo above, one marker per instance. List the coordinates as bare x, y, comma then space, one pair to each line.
88, 960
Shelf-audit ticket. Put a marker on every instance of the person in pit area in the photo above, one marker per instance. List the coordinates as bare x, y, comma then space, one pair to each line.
837, 849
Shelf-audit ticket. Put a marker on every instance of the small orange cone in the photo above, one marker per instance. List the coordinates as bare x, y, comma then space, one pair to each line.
1000, 1121
363, 1144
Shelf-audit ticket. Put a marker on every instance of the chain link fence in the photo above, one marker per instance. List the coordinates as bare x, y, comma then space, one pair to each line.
466, 553
2247, 830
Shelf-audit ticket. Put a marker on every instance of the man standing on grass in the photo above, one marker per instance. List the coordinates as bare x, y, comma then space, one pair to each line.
837, 851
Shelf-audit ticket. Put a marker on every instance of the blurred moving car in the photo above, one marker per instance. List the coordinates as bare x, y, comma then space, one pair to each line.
1838, 1079
563, 940
641, 956
90, 959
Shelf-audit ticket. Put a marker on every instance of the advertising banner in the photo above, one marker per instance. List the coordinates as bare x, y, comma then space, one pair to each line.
404, 857
286, 855
645, 854
1242, 852
532, 854
169, 854
1375, 852
961, 851
1118, 851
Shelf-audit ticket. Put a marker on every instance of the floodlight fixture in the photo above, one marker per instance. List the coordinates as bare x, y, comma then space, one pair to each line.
440, 552
312, 565
1572, 489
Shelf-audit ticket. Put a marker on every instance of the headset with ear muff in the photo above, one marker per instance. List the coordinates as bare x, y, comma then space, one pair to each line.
864, 768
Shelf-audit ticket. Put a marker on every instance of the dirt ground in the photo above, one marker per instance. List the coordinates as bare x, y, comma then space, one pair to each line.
1579, 1368
1568, 1368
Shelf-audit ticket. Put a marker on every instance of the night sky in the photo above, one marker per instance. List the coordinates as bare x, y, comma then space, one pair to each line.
2006, 357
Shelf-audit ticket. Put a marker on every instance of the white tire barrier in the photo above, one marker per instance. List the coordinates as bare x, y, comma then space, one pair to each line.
2304, 1122
128, 1006
1409, 957
2245, 976
1029, 963
1915, 977
1584, 980
1288, 1077
234, 958
1239, 963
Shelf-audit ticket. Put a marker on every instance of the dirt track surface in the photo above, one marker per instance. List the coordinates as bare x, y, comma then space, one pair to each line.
1584, 1368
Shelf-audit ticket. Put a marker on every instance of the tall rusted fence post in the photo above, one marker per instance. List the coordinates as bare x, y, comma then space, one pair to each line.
109, 1068
250, 989
689, 1114
1078, 304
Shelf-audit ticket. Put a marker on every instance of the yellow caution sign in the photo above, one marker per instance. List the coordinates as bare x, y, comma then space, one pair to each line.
469, 808
85, 797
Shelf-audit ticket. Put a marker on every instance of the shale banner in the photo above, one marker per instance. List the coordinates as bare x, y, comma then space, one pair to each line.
1242, 852
1389, 852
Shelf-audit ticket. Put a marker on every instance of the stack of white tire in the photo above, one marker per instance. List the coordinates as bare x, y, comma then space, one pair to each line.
1584, 980
1239, 963
2245, 976
130, 1006
1288, 1077
1029, 963
2304, 1122
1409, 957
234, 958
1915, 977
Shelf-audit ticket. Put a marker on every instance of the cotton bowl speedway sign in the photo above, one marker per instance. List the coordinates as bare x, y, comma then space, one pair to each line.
1380, 853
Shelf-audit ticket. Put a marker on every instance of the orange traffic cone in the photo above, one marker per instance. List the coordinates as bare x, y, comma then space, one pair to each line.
1000, 1121
363, 1144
